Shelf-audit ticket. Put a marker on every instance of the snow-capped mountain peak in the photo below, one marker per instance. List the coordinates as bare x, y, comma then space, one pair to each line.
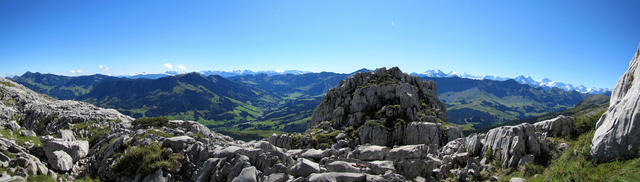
528, 80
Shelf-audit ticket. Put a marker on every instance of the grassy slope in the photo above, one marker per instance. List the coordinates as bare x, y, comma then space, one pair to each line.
575, 163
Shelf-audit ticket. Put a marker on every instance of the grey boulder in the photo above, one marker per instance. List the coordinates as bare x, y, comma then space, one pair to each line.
60, 161
304, 168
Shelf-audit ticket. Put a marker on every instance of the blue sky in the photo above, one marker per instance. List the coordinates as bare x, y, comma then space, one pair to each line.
581, 42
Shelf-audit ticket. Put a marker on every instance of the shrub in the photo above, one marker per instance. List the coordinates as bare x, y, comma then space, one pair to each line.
96, 134
145, 160
585, 124
161, 133
531, 169
151, 122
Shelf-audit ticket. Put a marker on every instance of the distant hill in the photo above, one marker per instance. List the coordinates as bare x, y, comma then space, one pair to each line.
484, 103
258, 104
61, 87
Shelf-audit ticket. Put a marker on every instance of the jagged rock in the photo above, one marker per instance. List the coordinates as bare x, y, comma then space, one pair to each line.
248, 174
413, 168
406, 152
28, 133
342, 166
381, 167
527, 159
409, 134
304, 167
510, 143
46, 115
557, 127
284, 141
12, 125
204, 172
618, 129
61, 161
228, 152
454, 146
66, 135
364, 94
334, 176
374, 135
276, 177
370, 152
77, 149
473, 144
313, 154
178, 143
158, 176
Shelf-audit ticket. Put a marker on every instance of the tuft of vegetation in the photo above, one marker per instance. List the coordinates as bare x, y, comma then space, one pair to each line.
160, 133
324, 140
87, 178
8, 154
115, 120
41, 178
50, 118
587, 123
152, 122
145, 160
530, 169
20, 140
96, 134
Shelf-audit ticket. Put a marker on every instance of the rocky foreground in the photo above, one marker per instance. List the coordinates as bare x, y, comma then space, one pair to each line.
380, 126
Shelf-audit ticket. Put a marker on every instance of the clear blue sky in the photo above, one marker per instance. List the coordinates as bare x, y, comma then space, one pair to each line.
581, 42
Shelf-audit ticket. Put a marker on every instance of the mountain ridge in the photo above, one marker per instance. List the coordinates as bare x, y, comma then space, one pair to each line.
436, 73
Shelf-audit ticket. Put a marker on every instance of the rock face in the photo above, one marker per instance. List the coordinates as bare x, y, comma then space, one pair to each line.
618, 130
510, 143
387, 95
45, 115
558, 126
385, 107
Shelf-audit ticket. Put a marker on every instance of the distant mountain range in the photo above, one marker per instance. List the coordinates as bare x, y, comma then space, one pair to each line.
544, 83
258, 103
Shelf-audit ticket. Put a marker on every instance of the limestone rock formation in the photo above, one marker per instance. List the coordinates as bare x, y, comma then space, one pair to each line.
381, 95
618, 130
385, 107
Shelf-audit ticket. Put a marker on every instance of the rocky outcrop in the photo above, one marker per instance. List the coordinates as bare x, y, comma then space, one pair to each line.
557, 127
618, 130
385, 107
510, 143
384, 94
45, 115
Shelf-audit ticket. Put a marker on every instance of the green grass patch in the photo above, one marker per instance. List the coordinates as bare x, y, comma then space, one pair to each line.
96, 134
152, 122
41, 178
19, 139
160, 133
87, 178
145, 160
